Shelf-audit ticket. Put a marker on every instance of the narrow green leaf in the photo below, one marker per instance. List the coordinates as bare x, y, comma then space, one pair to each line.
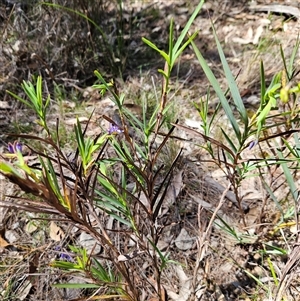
232, 84
49, 172
283, 60
187, 27
273, 273
165, 75
100, 272
161, 52
21, 99
258, 281
111, 202
190, 39
263, 114
76, 285
262, 83
229, 141
6, 168
278, 250
107, 185
108, 87
289, 177
39, 91
212, 79
272, 195
80, 139
171, 40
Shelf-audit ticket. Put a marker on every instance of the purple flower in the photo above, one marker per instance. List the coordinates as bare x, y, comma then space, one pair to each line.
65, 257
11, 148
252, 144
114, 129
18, 147
15, 147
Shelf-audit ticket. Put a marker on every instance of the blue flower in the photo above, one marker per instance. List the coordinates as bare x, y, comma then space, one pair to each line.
252, 144
114, 129
65, 257
18, 147
15, 147
11, 148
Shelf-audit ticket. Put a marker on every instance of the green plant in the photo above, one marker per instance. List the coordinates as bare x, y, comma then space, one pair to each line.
229, 155
116, 174
114, 186
90, 268
245, 134
36, 102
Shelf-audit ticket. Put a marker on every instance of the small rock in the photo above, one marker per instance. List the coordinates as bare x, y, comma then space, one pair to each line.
89, 243
184, 241
30, 227
193, 123
11, 236
5, 105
